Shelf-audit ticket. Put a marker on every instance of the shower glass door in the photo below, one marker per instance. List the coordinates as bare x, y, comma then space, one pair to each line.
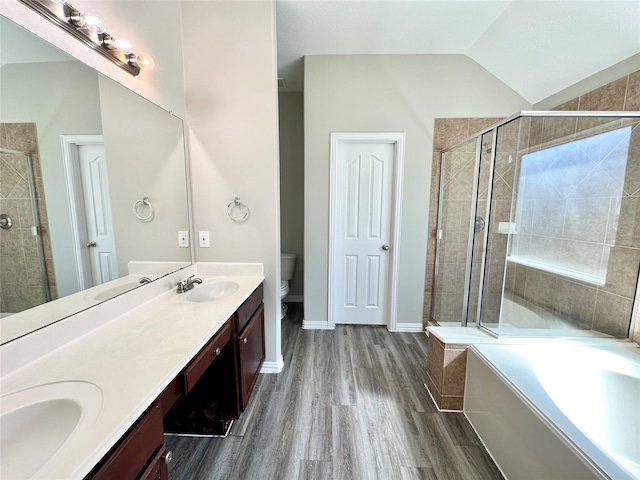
456, 215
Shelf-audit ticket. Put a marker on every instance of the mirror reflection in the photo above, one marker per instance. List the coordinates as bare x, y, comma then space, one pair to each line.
93, 186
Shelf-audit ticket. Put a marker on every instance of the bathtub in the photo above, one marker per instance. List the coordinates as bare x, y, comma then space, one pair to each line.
556, 409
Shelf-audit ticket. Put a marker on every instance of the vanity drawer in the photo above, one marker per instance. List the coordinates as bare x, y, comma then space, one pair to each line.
138, 446
207, 355
246, 310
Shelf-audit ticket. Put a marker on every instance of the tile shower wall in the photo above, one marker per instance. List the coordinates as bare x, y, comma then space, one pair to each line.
21, 285
571, 298
589, 306
606, 308
448, 132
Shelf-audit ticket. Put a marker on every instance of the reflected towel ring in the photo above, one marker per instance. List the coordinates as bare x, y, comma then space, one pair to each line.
237, 203
140, 203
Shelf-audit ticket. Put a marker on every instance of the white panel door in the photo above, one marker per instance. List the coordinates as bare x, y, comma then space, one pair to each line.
100, 242
362, 233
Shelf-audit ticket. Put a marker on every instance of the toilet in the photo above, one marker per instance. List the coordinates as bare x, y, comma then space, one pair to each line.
287, 267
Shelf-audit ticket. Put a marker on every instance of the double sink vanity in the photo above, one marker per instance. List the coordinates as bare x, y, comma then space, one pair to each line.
93, 395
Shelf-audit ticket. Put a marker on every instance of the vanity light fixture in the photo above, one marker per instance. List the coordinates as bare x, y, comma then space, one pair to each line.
89, 28
89, 20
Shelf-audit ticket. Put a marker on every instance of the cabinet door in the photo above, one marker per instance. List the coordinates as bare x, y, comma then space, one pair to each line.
251, 354
157, 469
136, 449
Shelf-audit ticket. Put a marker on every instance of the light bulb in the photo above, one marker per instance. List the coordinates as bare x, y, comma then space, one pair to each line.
123, 45
113, 43
89, 20
145, 62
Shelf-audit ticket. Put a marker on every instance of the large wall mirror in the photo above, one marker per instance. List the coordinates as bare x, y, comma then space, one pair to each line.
93, 186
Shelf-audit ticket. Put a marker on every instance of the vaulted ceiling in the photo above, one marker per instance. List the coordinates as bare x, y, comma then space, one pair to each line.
535, 47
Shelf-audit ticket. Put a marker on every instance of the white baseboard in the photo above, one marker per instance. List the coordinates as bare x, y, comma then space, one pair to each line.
294, 298
307, 325
408, 327
273, 367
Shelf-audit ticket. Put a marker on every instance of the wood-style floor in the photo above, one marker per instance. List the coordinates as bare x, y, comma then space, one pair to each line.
349, 404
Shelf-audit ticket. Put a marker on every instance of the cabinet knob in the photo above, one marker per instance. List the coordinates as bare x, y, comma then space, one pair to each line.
168, 457
244, 340
217, 351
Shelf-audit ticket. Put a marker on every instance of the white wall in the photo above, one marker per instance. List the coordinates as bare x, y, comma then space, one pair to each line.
38, 93
152, 27
387, 93
291, 114
230, 78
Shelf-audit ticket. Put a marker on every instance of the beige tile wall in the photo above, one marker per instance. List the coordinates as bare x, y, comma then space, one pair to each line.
570, 298
615, 251
447, 132
21, 284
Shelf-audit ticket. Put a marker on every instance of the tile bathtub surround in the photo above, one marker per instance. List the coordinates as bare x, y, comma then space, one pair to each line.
583, 220
446, 371
18, 247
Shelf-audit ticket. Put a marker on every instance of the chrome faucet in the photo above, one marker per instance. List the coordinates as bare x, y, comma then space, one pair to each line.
145, 280
186, 285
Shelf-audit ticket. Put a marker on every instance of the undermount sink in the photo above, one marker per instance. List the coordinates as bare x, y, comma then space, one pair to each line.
212, 291
35, 423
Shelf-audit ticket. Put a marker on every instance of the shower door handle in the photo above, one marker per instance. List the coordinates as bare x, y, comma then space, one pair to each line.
385, 247
91, 244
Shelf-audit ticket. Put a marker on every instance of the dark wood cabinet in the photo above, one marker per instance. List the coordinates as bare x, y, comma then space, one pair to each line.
212, 350
211, 391
139, 448
251, 353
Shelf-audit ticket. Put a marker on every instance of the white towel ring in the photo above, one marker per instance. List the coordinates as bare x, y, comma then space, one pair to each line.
237, 203
140, 203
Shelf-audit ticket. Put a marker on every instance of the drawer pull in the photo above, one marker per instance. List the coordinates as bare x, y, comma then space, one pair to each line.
168, 457
217, 351
244, 340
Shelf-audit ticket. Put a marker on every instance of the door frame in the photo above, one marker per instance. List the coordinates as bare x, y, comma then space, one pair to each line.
73, 180
397, 139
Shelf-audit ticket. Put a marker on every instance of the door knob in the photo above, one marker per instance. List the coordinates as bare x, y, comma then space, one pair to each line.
91, 244
385, 247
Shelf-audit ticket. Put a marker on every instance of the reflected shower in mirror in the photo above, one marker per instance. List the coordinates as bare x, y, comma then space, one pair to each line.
79, 151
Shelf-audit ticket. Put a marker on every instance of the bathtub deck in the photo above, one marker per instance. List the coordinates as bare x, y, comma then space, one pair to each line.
349, 404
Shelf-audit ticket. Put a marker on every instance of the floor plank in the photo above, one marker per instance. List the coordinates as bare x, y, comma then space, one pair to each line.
349, 404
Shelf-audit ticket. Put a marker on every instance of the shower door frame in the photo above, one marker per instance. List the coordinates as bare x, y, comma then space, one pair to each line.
474, 199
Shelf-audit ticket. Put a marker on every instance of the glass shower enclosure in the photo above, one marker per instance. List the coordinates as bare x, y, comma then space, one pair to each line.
539, 226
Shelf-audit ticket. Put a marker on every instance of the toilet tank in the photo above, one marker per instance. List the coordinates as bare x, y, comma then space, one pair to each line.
287, 265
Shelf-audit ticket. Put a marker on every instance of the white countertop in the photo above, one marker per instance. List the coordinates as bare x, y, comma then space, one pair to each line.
131, 358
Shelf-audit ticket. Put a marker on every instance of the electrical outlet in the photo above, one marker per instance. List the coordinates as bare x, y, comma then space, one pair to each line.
183, 238
203, 237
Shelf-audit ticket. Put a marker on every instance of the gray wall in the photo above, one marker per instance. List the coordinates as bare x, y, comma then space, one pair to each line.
291, 116
393, 93
38, 93
145, 158
232, 113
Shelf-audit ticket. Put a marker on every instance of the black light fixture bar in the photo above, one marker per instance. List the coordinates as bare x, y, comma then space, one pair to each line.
50, 10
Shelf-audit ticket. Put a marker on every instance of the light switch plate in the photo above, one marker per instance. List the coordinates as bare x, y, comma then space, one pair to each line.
203, 238
183, 238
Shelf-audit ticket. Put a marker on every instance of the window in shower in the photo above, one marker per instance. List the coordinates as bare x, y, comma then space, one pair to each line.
568, 204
